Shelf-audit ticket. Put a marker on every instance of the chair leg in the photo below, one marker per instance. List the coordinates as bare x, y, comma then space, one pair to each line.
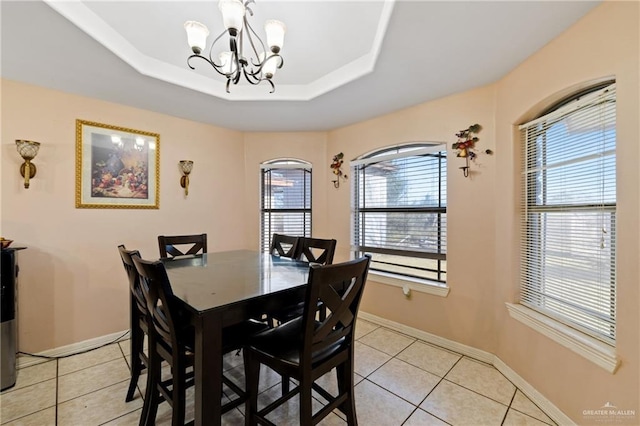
252, 381
306, 410
137, 346
344, 373
286, 385
178, 393
151, 395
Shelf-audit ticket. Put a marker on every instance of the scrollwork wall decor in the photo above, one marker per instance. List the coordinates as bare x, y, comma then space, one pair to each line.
336, 168
466, 146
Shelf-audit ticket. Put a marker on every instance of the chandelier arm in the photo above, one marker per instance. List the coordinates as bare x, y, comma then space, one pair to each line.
251, 78
273, 57
239, 66
227, 86
253, 46
204, 58
211, 60
247, 8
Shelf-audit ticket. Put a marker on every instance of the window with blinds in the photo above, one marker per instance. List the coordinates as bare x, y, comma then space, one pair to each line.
568, 255
285, 200
400, 210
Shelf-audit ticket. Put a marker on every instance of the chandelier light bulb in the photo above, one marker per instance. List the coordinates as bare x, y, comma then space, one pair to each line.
275, 34
232, 15
197, 34
269, 66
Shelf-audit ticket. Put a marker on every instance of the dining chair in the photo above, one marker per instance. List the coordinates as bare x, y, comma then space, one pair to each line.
194, 244
312, 250
316, 250
306, 349
284, 245
171, 339
138, 316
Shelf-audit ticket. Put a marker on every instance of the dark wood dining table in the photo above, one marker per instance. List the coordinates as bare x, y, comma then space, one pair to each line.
222, 289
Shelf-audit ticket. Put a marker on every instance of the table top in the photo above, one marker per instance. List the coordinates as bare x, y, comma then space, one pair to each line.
215, 280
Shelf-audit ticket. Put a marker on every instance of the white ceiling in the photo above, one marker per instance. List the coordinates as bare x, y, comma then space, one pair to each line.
344, 61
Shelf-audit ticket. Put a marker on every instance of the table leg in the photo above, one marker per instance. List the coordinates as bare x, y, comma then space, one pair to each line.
208, 370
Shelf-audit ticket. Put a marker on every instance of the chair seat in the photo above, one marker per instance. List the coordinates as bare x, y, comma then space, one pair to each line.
294, 311
285, 343
235, 336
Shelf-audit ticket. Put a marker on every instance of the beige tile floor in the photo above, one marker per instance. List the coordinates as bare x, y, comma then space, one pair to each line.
400, 381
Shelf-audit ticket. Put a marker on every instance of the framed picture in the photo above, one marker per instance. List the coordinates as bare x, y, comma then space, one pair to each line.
116, 167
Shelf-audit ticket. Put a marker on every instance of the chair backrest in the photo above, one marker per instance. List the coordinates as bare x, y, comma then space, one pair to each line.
160, 301
316, 250
194, 244
339, 288
135, 283
284, 245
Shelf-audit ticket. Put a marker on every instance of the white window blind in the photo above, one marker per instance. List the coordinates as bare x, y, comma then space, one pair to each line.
285, 200
568, 251
400, 212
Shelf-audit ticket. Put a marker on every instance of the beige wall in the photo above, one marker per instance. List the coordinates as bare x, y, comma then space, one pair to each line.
602, 45
72, 282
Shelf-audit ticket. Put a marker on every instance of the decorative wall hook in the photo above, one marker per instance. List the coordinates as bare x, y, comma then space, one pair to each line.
185, 167
336, 168
27, 150
466, 146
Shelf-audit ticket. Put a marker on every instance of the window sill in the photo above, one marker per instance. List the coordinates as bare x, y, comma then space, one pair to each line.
592, 349
411, 284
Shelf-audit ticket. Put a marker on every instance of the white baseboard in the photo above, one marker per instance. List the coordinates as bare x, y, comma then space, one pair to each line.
27, 360
536, 397
475, 353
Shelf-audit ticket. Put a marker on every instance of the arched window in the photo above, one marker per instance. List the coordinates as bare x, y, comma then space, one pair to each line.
568, 257
285, 206
400, 211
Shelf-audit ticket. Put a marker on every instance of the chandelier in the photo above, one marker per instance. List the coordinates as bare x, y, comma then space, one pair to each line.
261, 65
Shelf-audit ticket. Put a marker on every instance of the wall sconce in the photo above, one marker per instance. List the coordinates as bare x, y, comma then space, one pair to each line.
185, 167
27, 150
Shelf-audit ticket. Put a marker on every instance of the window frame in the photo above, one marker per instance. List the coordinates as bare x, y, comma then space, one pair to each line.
596, 346
407, 281
268, 167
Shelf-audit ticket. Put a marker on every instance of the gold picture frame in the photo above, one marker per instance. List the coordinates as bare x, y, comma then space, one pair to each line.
116, 167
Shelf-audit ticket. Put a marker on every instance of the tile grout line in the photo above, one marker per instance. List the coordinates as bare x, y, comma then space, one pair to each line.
509, 407
436, 385
514, 394
57, 385
461, 356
